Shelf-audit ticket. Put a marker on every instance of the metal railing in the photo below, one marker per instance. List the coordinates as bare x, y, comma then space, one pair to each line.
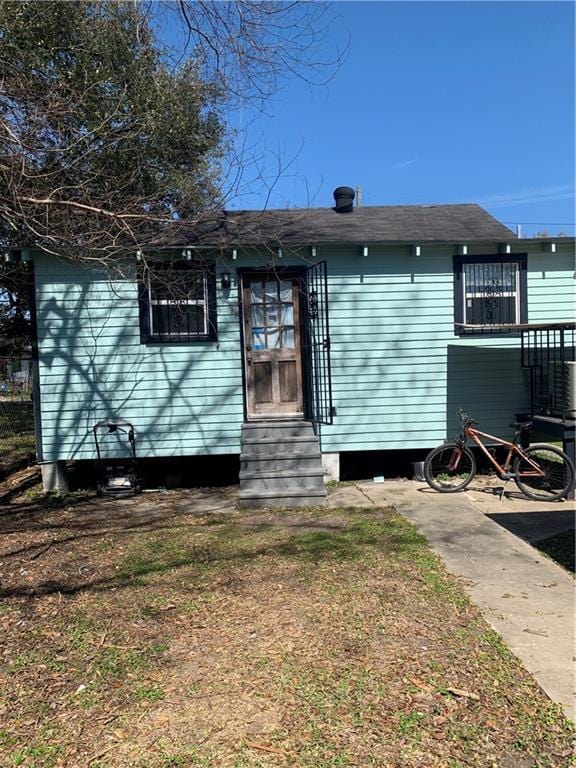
549, 354
316, 344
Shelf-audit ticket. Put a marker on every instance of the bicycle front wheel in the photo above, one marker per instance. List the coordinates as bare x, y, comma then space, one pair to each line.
449, 468
546, 474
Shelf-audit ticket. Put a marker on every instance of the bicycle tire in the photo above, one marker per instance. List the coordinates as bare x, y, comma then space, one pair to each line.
438, 475
559, 473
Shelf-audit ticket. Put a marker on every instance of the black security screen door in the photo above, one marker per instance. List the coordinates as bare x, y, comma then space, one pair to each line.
319, 407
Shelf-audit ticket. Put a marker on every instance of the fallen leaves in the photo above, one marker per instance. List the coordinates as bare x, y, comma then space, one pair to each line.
421, 684
463, 694
269, 749
340, 659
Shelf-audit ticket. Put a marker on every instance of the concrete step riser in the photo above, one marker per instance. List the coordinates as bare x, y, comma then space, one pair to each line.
285, 502
281, 466
260, 433
299, 485
257, 464
308, 447
276, 423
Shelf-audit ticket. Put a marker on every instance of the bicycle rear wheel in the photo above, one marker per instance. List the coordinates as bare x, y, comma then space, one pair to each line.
557, 475
449, 468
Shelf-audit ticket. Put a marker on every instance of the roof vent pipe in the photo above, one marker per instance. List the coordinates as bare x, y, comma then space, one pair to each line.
344, 197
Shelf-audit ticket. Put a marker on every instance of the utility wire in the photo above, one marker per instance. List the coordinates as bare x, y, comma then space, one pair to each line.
534, 223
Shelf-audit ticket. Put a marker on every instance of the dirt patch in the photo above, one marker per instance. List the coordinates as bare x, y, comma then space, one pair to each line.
152, 632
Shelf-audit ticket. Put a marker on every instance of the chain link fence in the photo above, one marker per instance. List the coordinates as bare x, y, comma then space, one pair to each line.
17, 444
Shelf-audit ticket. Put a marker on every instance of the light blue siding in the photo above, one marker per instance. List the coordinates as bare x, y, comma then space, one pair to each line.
398, 370
400, 373
183, 399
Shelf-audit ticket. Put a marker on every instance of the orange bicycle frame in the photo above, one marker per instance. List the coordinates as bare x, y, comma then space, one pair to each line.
513, 449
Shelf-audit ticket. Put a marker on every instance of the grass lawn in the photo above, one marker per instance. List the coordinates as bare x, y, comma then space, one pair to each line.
15, 450
142, 634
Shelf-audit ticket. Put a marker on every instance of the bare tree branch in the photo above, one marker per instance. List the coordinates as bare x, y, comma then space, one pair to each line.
110, 139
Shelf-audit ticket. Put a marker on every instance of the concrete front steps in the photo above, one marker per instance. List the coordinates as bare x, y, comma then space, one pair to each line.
280, 465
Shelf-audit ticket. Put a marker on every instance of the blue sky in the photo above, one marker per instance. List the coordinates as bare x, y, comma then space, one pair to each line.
437, 102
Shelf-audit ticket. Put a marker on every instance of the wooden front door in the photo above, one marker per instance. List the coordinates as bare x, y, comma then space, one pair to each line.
272, 346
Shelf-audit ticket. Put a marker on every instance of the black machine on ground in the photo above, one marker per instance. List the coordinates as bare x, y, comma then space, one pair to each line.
118, 477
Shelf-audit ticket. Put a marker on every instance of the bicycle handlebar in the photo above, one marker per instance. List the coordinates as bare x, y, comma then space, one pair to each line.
464, 418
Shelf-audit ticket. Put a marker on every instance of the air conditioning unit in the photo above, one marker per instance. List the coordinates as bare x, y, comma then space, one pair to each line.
562, 389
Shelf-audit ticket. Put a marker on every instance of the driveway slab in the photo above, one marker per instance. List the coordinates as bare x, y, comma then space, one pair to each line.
526, 597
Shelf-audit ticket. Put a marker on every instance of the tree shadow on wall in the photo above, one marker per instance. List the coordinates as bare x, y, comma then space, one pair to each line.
93, 368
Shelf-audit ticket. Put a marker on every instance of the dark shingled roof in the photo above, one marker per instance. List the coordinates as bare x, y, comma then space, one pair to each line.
371, 224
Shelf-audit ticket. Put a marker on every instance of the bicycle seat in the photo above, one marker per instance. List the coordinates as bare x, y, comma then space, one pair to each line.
520, 426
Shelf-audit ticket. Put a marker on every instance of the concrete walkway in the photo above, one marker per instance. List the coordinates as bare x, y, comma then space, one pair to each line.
527, 598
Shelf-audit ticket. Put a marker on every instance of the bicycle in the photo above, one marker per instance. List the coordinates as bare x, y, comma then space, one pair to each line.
542, 472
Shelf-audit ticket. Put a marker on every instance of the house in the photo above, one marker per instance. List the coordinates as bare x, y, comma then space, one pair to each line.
292, 336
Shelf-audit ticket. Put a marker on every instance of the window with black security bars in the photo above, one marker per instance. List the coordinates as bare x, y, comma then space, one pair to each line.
491, 295
177, 300
177, 303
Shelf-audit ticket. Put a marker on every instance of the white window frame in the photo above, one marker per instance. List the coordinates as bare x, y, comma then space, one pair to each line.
174, 302
482, 294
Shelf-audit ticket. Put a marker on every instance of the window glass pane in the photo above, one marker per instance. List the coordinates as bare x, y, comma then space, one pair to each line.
285, 290
193, 319
272, 314
288, 338
509, 277
160, 321
192, 283
490, 293
272, 308
178, 302
257, 314
158, 287
271, 291
273, 338
507, 310
287, 315
486, 278
178, 320
178, 284
256, 292
494, 310
258, 338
